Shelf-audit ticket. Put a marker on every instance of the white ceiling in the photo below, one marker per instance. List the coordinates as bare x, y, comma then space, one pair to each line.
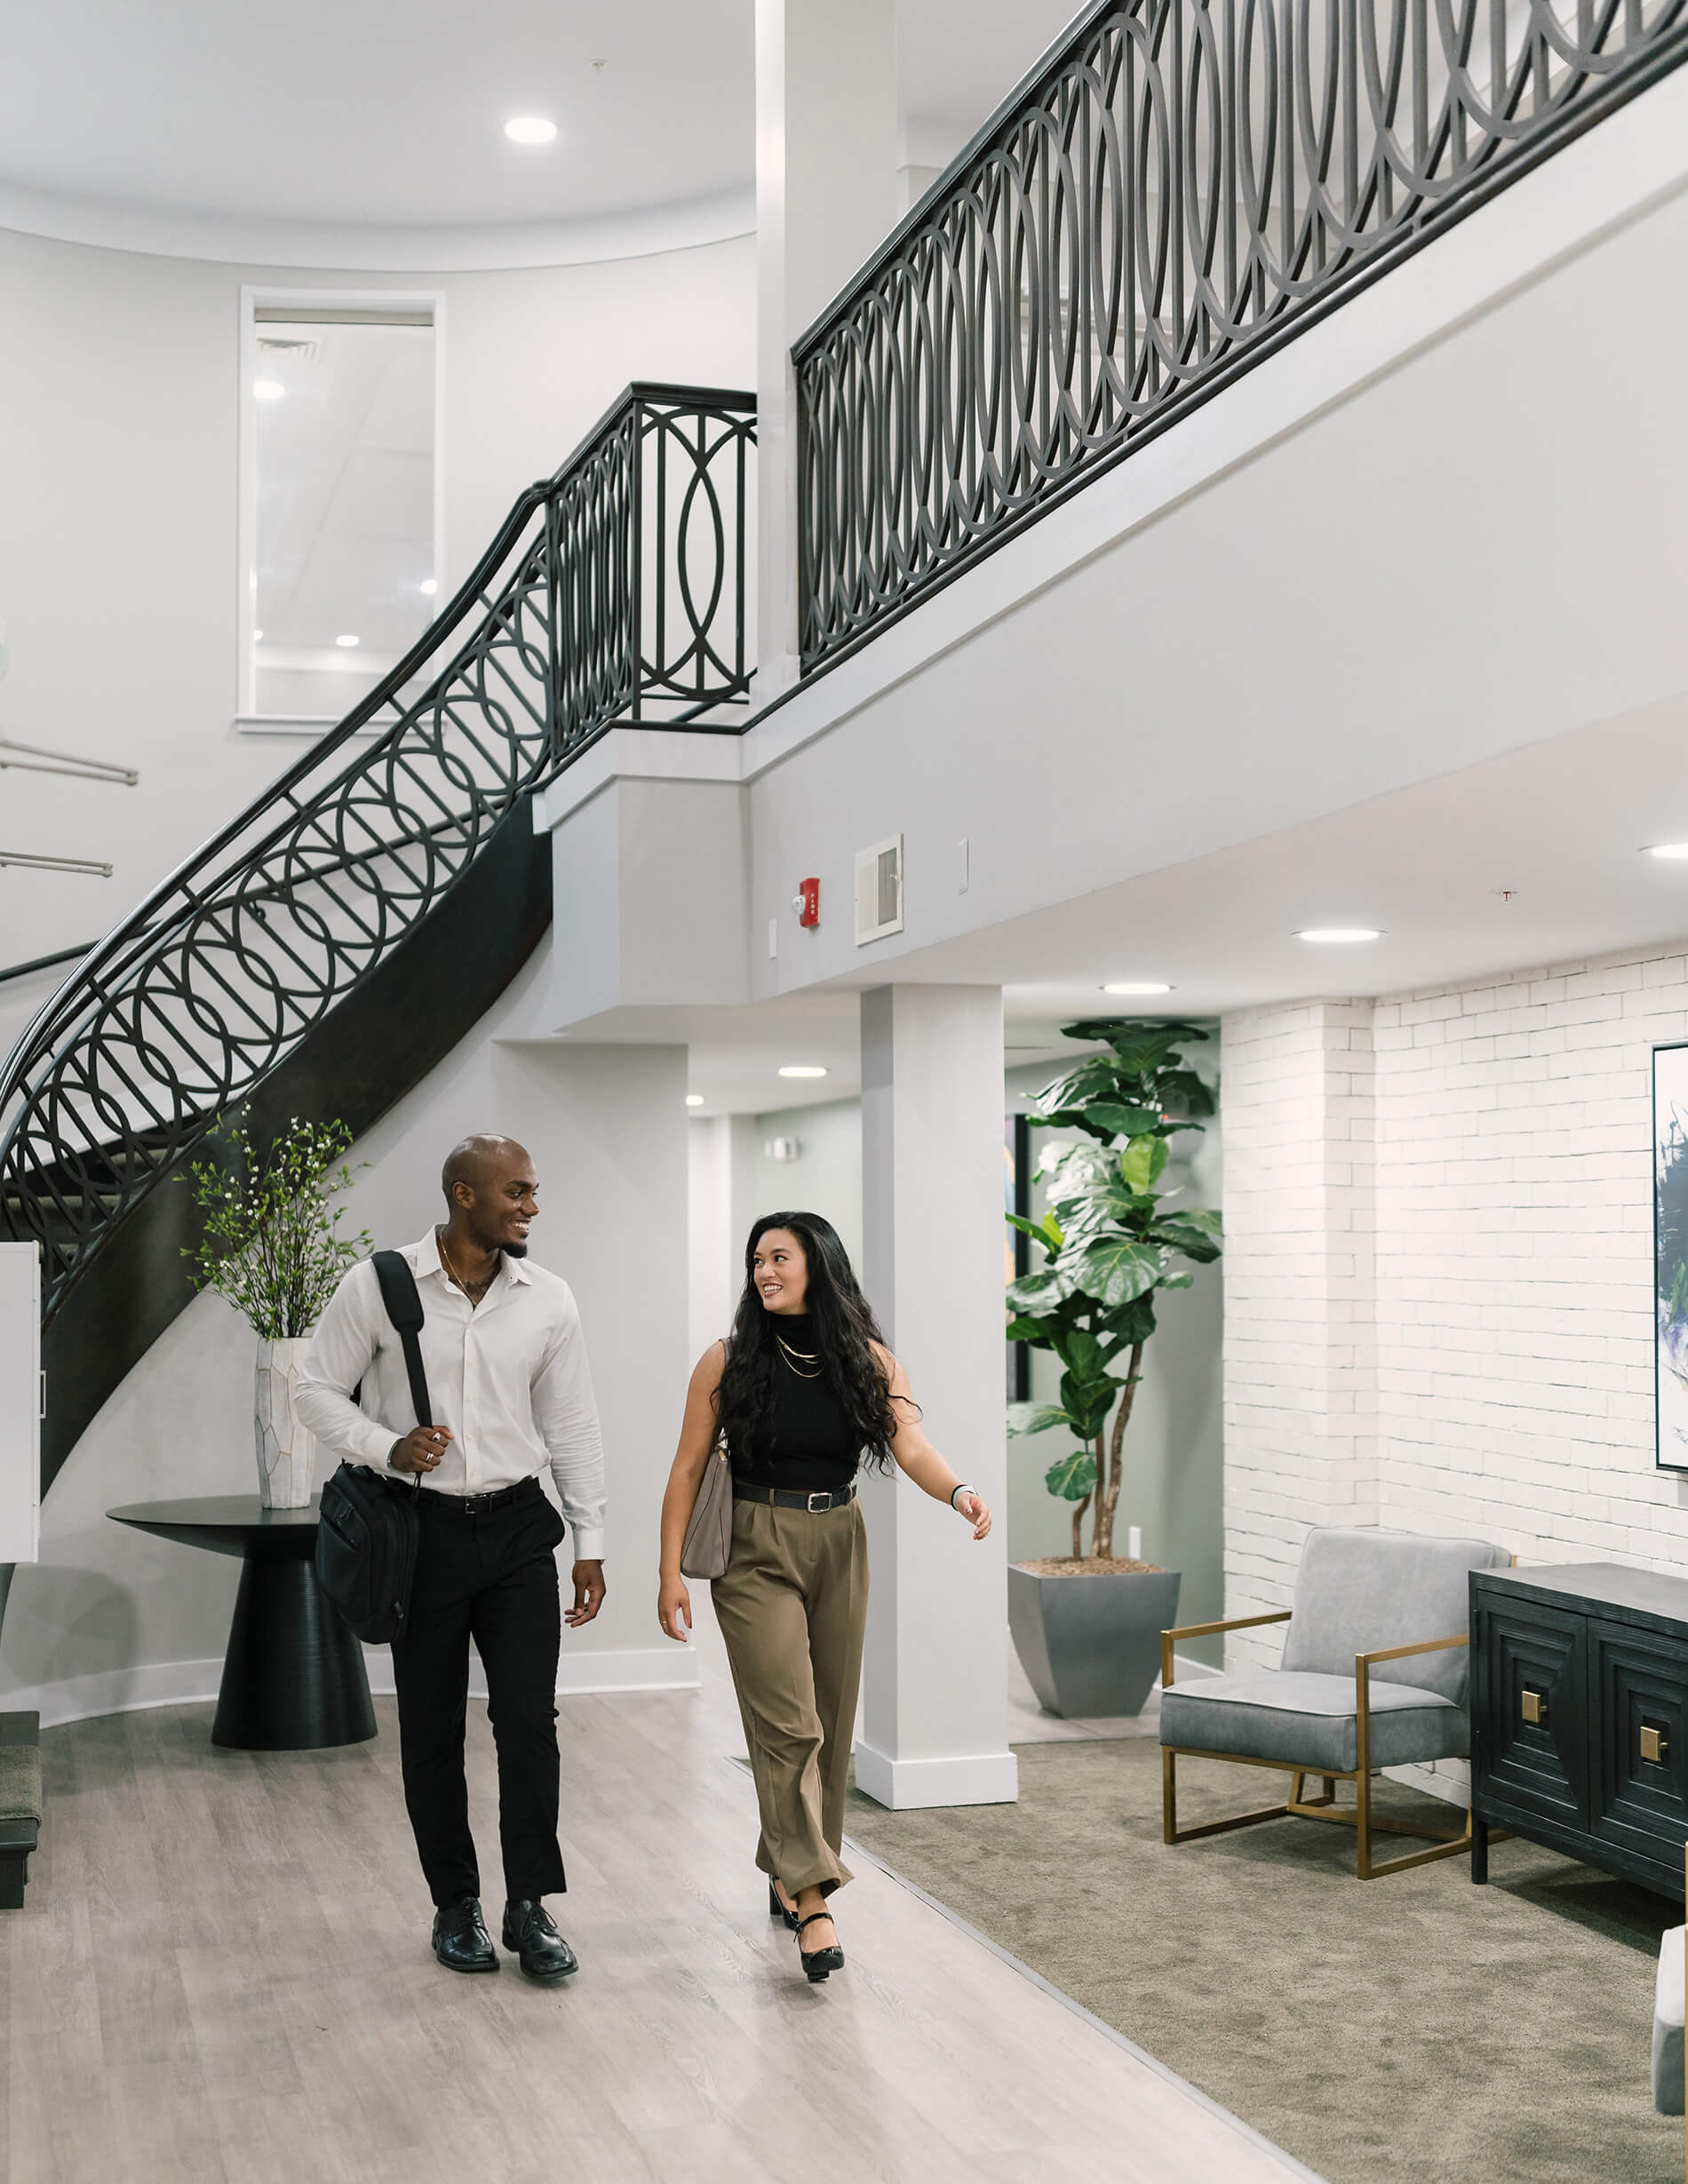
388, 114
1561, 827
735, 1054
1533, 858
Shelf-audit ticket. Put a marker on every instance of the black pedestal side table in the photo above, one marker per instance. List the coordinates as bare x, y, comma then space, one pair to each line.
293, 1675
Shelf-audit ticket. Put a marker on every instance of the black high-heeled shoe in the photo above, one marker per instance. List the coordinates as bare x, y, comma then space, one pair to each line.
817, 1962
777, 1908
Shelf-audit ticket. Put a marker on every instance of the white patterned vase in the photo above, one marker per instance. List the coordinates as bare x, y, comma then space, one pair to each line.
286, 1449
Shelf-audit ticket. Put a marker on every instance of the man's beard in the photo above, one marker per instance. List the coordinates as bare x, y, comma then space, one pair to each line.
514, 1250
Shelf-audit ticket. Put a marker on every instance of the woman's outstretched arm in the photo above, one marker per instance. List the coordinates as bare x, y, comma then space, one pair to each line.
696, 1440
915, 1454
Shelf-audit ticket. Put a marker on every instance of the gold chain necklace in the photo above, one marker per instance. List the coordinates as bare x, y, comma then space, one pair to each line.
809, 1357
445, 1259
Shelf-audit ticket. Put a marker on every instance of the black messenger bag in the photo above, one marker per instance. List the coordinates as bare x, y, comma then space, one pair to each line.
367, 1528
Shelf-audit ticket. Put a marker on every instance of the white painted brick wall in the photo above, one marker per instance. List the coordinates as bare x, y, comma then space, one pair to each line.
1509, 1281
1514, 1261
1300, 1366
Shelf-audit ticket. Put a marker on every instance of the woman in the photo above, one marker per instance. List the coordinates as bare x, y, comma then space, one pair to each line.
801, 1391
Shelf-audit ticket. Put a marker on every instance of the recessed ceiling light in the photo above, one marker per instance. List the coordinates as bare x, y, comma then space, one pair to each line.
1668, 849
428, 587
258, 636
694, 1100
268, 390
802, 1068
1138, 986
530, 129
1338, 936
347, 642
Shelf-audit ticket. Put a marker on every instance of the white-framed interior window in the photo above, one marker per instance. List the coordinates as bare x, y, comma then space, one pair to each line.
341, 497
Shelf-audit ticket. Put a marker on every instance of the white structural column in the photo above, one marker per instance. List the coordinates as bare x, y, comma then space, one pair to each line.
935, 1725
826, 197
1297, 1103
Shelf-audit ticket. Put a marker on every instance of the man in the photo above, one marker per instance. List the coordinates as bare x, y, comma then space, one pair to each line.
508, 1382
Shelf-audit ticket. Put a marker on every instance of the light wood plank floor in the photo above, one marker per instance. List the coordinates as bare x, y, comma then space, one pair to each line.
221, 1974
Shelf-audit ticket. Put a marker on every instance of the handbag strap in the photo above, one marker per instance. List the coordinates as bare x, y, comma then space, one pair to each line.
403, 1303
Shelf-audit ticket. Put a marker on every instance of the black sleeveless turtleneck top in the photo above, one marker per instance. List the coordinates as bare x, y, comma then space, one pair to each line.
804, 1443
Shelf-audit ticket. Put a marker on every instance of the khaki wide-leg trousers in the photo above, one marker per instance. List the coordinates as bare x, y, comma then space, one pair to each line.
793, 1607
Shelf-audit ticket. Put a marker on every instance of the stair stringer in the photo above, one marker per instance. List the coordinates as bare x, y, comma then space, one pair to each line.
375, 1046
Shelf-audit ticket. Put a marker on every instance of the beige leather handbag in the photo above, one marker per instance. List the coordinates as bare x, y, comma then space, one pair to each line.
709, 1535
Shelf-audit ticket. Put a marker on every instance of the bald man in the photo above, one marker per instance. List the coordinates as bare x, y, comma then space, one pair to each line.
508, 1380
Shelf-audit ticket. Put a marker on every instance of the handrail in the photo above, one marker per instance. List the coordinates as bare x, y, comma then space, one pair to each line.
614, 591
44, 962
1177, 188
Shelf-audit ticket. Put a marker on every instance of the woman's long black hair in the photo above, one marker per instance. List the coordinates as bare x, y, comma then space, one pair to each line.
842, 1330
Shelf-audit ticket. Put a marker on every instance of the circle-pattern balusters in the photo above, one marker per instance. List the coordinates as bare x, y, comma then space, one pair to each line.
615, 590
1186, 180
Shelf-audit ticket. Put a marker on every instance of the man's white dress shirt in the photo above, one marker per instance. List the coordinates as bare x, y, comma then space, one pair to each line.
508, 1376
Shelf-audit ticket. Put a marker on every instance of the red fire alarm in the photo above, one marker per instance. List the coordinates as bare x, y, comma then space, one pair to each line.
807, 902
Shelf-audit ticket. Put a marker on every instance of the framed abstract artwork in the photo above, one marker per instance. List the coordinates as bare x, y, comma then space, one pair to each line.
1671, 1254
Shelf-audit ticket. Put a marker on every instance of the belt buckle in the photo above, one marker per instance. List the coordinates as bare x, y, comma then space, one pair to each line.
819, 1502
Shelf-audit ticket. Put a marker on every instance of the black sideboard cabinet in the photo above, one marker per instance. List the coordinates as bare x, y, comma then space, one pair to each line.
1579, 1716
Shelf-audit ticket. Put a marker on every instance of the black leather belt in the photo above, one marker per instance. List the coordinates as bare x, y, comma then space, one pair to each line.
787, 1498
478, 1504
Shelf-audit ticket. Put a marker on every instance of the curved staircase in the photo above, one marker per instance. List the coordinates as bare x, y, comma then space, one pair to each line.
335, 940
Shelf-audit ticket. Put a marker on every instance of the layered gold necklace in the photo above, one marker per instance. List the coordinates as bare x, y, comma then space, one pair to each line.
797, 1359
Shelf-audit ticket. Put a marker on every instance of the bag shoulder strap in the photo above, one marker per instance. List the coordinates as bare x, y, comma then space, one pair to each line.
403, 1303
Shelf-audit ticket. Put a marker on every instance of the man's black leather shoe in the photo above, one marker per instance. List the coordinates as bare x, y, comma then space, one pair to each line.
542, 1949
460, 1938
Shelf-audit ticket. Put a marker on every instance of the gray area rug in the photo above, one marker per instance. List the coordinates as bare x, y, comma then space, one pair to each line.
1413, 2026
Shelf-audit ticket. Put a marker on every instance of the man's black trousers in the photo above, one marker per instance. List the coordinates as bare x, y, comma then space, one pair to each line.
489, 1576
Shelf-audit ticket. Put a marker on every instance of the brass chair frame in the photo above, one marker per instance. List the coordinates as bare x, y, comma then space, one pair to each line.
1297, 1806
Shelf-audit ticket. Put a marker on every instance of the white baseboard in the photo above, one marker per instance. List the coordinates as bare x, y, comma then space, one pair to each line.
1447, 1779
118, 1691
185, 1683
635, 1668
905, 1785
639, 1668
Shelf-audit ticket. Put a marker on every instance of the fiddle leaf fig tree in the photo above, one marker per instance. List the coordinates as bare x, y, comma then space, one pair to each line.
1110, 1241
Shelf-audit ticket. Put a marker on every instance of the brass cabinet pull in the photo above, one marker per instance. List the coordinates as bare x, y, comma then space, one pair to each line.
1655, 1744
1534, 1705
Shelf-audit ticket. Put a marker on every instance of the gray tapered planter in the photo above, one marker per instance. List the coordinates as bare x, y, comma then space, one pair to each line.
1090, 1645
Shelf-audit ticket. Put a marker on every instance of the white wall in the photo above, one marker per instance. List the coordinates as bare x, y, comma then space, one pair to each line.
1507, 1130
119, 389
826, 1176
733, 1180
111, 1617
724, 1203
1300, 1366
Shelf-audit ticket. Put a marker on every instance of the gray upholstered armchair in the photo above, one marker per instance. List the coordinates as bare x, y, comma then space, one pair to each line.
1373, 1675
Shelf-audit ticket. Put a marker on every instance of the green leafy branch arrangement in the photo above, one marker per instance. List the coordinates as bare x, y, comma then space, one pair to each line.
1109, 1242
270, 1244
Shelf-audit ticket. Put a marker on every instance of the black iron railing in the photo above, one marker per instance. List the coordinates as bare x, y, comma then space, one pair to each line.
43, 963
1179, 185
614, 592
